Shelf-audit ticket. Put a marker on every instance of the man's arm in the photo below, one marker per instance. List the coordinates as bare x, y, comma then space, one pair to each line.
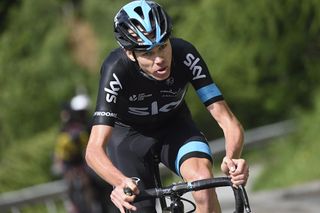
97, 157
99, 161
232, 129
232, 164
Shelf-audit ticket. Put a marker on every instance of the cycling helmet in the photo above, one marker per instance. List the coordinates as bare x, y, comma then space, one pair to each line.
80, 102
141, 25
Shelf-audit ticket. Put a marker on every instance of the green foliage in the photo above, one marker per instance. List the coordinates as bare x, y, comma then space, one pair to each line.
28, 163
294, 159
264, 55
36, 69
101, 18
258, 52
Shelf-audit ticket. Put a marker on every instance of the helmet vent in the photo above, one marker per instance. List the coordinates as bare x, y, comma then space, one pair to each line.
138, 10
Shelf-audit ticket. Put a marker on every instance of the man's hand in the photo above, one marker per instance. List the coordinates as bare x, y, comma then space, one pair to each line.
237, 169
123, 200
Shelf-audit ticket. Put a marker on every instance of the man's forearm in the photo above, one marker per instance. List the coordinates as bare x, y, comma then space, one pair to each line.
102, 165
234, 141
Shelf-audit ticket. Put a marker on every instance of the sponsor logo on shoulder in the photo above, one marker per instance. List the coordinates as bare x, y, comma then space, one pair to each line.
191, 62
106, 114
112, 92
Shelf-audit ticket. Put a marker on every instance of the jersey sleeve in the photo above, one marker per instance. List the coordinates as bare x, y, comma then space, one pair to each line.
110, 87
200, 77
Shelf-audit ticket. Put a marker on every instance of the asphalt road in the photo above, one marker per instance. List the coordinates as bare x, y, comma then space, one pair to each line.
299, 199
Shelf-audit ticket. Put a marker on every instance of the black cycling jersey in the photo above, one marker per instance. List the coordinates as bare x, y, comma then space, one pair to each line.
128, 96
138, 105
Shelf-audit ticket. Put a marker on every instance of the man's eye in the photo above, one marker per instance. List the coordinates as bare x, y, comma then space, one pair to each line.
163, 46
147, 53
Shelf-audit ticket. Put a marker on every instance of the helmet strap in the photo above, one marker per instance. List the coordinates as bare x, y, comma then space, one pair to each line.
135, 57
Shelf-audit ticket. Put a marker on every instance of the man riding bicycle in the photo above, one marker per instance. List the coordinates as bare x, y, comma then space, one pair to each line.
85, 187
141, 105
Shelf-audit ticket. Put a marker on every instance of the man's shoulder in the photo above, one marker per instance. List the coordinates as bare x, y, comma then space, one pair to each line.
115, 56
180, 43
116, 62
181, 47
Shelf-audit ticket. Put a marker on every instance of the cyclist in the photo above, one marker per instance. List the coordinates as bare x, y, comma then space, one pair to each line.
85, 188
141, 105
73, 135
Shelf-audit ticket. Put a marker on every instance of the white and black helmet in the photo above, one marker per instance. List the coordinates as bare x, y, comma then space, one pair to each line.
137, 20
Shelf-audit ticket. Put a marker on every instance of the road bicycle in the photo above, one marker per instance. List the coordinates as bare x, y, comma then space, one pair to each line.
176, 190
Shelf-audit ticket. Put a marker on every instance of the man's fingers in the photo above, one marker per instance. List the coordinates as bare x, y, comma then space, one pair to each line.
122, 205
240, 177
230, 164
238, 170
117, 203
129, 206
241, 166
122, 200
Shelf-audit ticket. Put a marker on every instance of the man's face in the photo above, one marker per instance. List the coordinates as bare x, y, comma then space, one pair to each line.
157, 61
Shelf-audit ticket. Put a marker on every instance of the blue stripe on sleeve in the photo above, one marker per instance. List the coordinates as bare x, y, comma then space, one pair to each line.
208, 92
192, 146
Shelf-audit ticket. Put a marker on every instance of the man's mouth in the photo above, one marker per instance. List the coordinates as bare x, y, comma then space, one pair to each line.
162, 70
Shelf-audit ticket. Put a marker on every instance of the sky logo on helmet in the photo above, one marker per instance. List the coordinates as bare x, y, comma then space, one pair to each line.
191, 62
112, 93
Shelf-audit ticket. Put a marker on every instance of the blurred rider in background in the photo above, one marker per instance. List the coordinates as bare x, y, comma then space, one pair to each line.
87, 192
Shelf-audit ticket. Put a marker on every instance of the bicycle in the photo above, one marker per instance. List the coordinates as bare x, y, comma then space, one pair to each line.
176, 190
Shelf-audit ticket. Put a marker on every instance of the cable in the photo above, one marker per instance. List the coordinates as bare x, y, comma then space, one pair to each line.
189, 201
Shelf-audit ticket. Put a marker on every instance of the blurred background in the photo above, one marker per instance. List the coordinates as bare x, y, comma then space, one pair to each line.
264, 55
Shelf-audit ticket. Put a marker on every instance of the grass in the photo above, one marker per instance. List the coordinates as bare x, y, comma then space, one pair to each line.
27, 163
287, 162
293, 159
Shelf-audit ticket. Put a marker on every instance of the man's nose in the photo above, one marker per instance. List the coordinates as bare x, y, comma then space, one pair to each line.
159, 56
158, 59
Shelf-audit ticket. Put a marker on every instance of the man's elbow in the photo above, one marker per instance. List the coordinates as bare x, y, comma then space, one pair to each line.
89, 154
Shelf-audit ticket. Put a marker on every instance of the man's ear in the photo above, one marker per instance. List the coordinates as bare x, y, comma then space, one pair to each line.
130, 55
